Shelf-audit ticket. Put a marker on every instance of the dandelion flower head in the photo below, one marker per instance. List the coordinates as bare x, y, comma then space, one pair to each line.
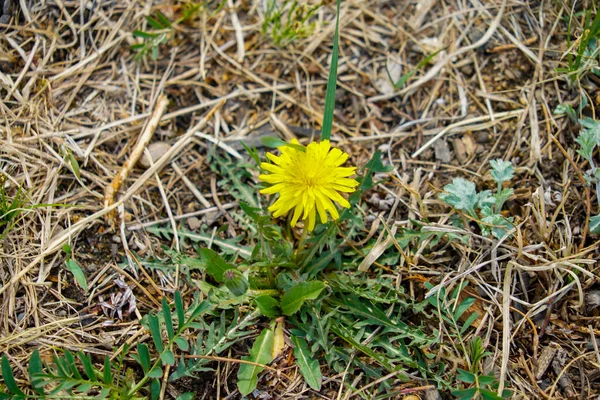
309, 181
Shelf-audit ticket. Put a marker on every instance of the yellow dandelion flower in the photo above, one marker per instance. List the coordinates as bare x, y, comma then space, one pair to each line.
309, 181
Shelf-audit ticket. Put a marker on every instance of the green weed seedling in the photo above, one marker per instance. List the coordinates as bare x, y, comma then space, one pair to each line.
450, 308
589, 141
483, 207
163, 30
586, 57
288, 20
570, 111
10, 208
481, 386
74, 268
13, 207
76, 375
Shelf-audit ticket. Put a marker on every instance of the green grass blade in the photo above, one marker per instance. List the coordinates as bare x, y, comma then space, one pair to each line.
331, 81
404, 78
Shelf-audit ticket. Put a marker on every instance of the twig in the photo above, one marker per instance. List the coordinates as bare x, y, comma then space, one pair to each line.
111, 190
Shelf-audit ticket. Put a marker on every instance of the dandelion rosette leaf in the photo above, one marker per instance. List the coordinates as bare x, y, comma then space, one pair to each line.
309, 181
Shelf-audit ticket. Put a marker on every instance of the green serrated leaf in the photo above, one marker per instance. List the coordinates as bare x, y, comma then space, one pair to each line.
461, 194
501, 197
78, 274
168, 318
588, 138
9, 378
566, 109
309, 367
229, 246
252, 212
293, 299
495, 224
214, 264
502, 171
186, 396
344, 334
261, 353
268, 306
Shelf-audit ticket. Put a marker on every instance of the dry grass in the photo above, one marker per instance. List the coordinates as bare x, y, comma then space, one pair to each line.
71, 89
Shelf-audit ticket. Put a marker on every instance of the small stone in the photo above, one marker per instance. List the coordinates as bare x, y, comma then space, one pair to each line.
482, 137
467, 69
194, 223
592, 299
157, 150
442, 151
459, 150
116, 239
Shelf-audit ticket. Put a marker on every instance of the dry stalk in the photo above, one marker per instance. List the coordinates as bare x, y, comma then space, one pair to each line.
110, 192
